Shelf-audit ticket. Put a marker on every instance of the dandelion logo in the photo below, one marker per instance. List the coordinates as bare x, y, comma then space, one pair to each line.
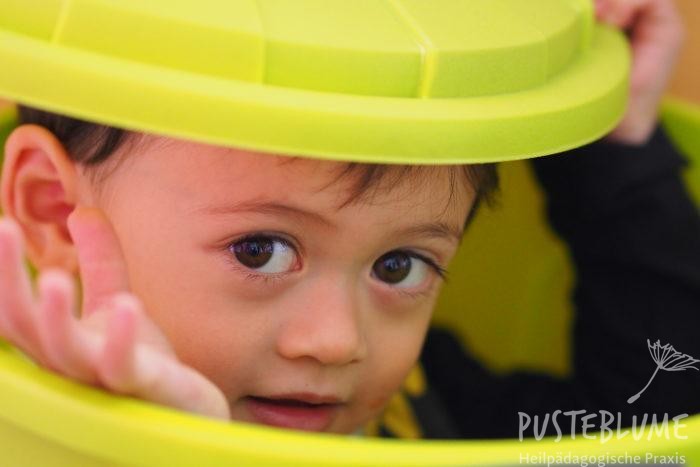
668, 359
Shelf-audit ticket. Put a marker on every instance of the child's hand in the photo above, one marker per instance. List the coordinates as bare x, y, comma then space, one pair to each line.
656, 34
114, 345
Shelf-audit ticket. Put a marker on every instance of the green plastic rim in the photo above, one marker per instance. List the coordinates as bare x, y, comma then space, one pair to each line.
385, 81
69, 424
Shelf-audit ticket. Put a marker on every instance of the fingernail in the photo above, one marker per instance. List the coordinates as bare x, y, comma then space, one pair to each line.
82, 212
125, 301
77, 213
81, 217
601, 9
56, 276
10, 230
7, 224
70, 221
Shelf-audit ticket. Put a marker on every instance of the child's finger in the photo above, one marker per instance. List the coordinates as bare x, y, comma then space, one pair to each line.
116, 365
164, 380
64, 345
137, 370
199, 395
619, 13
656, 32
16, 310
102, 266
656, 43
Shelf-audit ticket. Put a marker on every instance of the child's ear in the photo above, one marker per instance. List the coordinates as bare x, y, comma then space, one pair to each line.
38, 189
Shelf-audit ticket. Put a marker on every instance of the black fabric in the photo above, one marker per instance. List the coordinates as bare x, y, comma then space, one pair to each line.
633, 233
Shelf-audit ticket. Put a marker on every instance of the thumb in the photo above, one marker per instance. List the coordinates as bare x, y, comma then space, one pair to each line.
100, 258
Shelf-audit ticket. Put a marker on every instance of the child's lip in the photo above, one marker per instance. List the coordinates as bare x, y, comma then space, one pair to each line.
305, 397
301, 411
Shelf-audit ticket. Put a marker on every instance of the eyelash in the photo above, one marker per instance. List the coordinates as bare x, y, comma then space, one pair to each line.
414, 295
270, 279
441, 272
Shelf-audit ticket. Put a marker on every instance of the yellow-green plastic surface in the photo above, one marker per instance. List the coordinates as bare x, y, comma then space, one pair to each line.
49, 421
393, 81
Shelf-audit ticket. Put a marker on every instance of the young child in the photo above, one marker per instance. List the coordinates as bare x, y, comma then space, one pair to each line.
239, 285
297, 306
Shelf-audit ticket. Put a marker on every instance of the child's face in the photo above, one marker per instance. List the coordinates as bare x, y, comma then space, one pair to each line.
304, 309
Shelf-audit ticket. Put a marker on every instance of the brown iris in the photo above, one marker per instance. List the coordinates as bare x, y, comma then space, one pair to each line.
393, 267
254, 252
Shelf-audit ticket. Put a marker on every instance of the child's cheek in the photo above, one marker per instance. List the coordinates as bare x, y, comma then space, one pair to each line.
390, 371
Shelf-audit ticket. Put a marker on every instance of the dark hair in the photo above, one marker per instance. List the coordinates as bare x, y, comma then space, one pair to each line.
91, 144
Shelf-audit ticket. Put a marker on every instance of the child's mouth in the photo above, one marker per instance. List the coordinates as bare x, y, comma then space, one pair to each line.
292, 412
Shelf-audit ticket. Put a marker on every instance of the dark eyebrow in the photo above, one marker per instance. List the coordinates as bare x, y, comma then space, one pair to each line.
430, 229
433, 230
270, 208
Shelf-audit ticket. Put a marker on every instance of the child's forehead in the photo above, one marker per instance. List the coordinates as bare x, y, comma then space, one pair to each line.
188, 183
199, 175
194, 163
154, 144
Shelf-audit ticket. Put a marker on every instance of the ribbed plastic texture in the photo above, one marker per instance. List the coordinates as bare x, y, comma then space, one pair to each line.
403, 81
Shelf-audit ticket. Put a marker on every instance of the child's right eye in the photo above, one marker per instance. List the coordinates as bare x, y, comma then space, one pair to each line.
265, 254
404, 269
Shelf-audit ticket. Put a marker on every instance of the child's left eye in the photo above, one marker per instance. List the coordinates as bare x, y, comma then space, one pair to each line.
266, 254
404, 269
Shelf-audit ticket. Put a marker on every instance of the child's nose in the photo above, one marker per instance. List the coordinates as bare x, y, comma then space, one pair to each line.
325, 325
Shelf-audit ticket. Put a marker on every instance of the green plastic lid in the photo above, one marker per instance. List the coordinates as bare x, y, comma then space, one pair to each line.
393, 81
